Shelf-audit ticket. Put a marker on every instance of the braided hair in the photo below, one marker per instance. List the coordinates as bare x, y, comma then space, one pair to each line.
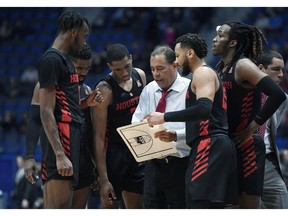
250, 42
71, 20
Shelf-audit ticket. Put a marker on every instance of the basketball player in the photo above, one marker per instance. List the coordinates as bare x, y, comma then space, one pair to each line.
120, 175
240, 45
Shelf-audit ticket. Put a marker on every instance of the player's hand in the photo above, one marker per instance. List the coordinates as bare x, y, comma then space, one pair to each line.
94, 98
107, 194
30, 170
242, 137
155, 118
64, 165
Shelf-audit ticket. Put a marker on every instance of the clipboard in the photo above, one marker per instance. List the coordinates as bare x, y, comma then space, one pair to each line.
139, 138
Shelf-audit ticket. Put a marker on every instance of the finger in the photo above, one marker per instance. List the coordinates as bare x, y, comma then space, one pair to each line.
113, 195
71, 171
31, 180
157, 134
60, 172
146, 117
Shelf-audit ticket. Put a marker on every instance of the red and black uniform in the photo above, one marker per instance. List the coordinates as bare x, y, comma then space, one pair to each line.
57, 70
242, 107
86, 164
123, 171
209, 176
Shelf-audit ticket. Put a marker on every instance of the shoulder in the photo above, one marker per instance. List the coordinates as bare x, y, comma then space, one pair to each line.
142, 75
243, 62
104, 85
247, 73
49, 57
204, 72
152, 86
35, 97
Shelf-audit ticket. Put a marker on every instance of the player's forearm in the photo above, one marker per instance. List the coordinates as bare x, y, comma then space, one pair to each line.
275, 99
33, 130
51, 130
101, 162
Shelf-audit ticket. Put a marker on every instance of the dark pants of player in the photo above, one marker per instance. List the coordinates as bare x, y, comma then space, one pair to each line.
70, 140
164, 183
212, 173
251, 162
124, 172
86, 167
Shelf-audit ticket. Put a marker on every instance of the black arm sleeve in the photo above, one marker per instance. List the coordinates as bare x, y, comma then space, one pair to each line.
201, 110
276, 97
33, 130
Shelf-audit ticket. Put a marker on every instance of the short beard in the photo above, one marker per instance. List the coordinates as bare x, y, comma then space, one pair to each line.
81, 82
186, 69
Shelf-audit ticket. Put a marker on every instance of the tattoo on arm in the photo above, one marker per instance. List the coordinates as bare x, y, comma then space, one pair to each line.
51, 130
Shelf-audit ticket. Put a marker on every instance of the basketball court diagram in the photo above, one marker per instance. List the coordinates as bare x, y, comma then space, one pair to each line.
139, 138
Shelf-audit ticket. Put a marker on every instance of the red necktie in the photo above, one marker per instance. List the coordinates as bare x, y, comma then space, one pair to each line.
162, 102
262, 128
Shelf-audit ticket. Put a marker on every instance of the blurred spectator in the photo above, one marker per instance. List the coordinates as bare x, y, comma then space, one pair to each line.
170, 35
98, 63
5, 30
22, 125
28, 80
99, 20
24, 193
275, 20
21, 29
8, 121
122, 17
2, 88
262, 22
13, 87
30, 75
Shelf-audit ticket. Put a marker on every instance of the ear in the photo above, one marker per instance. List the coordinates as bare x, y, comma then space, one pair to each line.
73, 32
233, 43
109, 66
175, 65
261, 67
191, 53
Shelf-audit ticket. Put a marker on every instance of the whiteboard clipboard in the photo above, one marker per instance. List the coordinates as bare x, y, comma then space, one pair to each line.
139, 138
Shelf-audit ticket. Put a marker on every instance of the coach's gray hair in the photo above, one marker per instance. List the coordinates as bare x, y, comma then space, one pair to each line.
167, 52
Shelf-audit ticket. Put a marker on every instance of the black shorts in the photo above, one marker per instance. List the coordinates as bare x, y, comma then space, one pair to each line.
86, 167
251, 165
70, 138
212, 171
164, 183
124, 172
